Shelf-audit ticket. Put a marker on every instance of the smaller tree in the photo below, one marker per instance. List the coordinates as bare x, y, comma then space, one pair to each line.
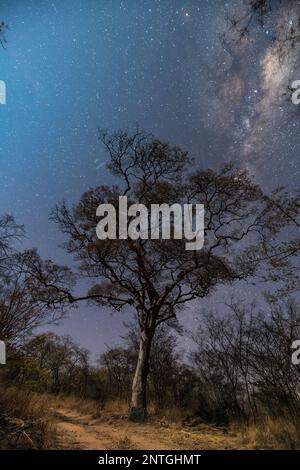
51, 363
25, 302
10, 231
119, 364
243, 361
27, 298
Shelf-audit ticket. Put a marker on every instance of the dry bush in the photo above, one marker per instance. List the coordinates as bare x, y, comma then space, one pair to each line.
24, 420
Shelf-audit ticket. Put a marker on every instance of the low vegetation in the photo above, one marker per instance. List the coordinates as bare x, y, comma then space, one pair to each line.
25, 422
238, 390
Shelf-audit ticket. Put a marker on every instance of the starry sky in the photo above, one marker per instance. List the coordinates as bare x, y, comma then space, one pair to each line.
172, 66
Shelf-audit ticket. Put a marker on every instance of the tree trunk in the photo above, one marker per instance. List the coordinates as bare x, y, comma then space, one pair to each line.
138, 410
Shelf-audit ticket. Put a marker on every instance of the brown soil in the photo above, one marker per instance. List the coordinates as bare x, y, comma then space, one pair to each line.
78, 431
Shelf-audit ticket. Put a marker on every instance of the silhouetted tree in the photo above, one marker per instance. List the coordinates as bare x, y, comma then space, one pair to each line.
244, 362
119, 363
51, 363
25, 301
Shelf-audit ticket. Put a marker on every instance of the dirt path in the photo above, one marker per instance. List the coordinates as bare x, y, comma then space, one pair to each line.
77, 431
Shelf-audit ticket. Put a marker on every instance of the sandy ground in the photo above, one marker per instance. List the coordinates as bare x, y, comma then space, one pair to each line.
78, 431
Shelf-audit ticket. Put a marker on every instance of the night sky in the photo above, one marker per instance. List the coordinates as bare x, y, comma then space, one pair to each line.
72, 66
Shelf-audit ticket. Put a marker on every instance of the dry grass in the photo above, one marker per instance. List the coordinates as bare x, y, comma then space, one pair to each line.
95, 408
118, 407
24, 420
81, 405
171, 415
270, 433
125, 443
273, 433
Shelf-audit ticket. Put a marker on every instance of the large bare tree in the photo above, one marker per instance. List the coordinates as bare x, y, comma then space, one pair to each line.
245, 236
